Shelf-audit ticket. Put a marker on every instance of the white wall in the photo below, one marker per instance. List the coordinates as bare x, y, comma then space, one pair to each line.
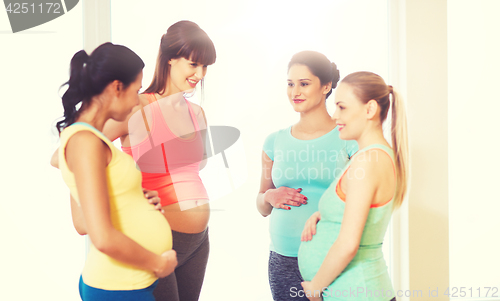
474, 105
449, 62
246, 89
426, 77
41, 256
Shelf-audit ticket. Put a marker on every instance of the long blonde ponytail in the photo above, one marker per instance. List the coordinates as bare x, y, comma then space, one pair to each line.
399, 136
368, 86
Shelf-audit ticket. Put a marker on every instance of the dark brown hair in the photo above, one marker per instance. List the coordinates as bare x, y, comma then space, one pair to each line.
319, 65
89, 76
183, 39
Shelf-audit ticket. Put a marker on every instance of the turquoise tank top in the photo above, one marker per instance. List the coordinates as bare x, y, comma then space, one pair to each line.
366, 276
308, 164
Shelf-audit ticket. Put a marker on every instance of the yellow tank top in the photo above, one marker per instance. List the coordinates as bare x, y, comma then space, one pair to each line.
130, 213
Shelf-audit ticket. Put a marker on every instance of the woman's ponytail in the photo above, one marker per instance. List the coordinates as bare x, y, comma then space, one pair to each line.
399, 136
368, 86
77, 87
89, 76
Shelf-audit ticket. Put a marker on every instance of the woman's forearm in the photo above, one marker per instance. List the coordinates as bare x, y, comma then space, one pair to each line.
337, 259
54, 160
122, 248
264, 207
77, 216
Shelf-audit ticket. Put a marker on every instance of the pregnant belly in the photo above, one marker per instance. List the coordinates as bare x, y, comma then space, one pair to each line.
146, 226
193, 220
313, 252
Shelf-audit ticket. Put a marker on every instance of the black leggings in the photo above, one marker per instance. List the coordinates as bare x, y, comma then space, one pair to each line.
184, 284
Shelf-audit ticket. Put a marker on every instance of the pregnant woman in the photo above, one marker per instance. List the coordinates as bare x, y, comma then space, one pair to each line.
341, 256
165, 135
298, 164
130, 239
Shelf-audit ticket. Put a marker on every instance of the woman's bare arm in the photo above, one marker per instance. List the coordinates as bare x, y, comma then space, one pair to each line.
87, 157
77, 216
360, 192
269, 196
203, 130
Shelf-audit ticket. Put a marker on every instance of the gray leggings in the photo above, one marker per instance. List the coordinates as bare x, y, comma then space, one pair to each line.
285, 278
184, 284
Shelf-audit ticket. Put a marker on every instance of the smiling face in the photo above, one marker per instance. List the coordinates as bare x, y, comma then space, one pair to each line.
305, 91
350, 113
184, 75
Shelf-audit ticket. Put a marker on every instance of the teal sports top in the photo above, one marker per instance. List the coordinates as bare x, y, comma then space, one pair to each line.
308, 164
365, 278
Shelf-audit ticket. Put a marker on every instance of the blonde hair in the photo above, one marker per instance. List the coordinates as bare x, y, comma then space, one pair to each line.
368, 86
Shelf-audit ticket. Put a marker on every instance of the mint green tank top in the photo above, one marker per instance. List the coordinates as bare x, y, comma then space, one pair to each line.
366, 276
308, 164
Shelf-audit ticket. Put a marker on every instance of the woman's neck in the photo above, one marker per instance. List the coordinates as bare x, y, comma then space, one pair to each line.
175, 100
93, 115
316, 120
170, 90
372, 136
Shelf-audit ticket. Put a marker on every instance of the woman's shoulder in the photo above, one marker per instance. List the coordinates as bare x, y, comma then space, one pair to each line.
376, 150
144, 99
280, 132
197, 109
374, 159
270, 141
199, 113
194, 106
84, 141
85, 137
82, 133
